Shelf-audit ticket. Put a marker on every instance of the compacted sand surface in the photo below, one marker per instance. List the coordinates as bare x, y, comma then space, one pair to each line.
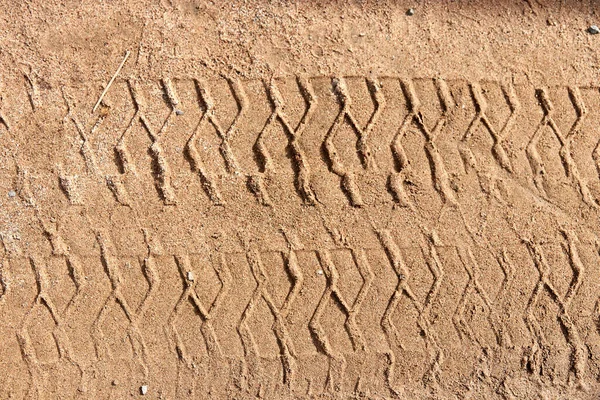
298, 200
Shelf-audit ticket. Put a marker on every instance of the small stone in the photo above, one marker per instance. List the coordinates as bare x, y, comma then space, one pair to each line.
410, 12
362, 34
178, 112
144, 389
12, 193
115, 382
319, 272
593, 30
190, 276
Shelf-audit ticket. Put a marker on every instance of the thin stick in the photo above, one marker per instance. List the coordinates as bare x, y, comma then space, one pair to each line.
111, 81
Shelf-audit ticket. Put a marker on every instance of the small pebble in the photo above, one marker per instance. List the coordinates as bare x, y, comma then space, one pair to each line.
12, 193
190, 276
594, 30
410, 12
144, 389
362, 34
178, 112
115, 382
319, 272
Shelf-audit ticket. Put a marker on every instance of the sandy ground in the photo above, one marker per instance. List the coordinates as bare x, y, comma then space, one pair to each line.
331, 200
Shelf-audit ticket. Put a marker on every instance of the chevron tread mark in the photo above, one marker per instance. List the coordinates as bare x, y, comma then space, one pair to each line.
304, 236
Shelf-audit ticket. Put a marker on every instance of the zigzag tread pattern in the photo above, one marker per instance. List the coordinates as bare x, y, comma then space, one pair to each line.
303, 322
370, 147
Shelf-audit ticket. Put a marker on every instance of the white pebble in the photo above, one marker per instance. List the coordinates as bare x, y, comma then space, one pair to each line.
12, 193
190, 276
319, 272
144, 389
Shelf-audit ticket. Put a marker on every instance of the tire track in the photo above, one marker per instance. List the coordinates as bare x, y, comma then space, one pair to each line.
338, 361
